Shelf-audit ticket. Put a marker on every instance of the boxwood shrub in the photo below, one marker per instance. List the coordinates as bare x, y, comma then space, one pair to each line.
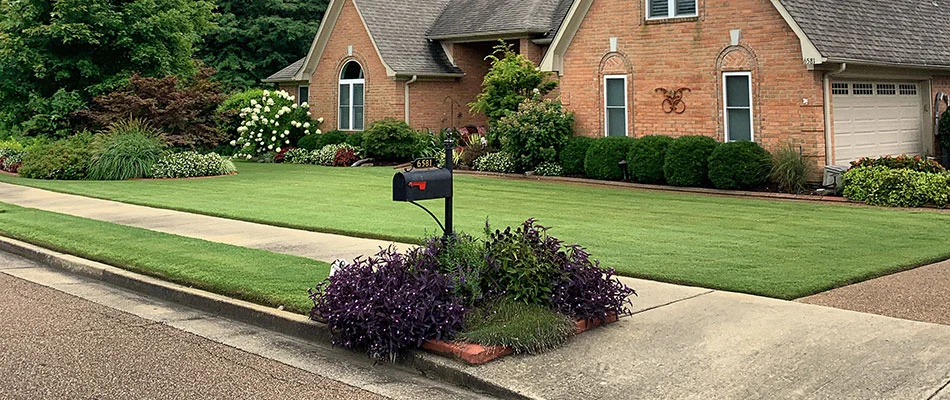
687, 161
604, 155
646, 157
883, 186
310, 142
390, 139
739, 165
66, 159
574, 153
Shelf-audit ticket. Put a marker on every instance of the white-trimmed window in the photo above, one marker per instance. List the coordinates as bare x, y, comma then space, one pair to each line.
661, 9
615, 105
303, 94
352, 104
737, 99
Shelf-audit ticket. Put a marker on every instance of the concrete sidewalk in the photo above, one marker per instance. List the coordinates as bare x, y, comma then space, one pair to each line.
319, 246
683, 342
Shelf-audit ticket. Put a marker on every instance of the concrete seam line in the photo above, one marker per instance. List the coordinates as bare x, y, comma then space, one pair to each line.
294, 325
940, 389
672, 302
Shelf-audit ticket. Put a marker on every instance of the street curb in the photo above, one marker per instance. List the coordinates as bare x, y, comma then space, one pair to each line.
284, 322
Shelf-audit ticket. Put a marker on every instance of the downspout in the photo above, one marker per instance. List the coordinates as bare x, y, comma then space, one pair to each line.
409, 82
827, 108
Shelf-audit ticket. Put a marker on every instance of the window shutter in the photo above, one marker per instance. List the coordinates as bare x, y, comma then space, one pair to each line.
659, 8
686, 7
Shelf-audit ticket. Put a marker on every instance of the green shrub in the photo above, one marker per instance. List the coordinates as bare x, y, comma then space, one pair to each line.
687, 161
549, 169
882, 186
297, 156
574, 153
310, 142
391, 140
903, 161
66, 159
525, 328
790, 170
646, 158
327, 155
739, 165
332, 137
128, 150
511, 79
935, 188
355, 139
495, 162
190, 164
228, 114
536, 132
944, 129
604, 155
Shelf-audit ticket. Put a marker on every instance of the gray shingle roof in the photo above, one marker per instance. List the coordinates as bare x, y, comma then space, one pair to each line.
472, 17
286, 74
399, 28
907, 32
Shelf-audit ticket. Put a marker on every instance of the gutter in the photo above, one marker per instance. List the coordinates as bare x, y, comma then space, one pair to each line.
827, 109
409, 82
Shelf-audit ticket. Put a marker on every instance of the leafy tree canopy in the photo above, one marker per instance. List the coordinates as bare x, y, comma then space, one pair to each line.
512, 79
255, 38
56, 54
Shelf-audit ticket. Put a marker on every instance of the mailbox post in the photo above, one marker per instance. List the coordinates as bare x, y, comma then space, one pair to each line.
425, 181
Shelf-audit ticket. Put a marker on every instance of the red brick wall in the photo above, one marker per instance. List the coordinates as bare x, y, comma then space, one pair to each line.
443, 104
693, 54
383, 95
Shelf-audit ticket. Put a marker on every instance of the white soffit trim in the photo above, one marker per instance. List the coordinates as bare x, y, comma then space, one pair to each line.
332, 15
810, 53
554, 59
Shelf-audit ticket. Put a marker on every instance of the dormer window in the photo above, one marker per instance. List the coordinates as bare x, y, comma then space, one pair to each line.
665, 9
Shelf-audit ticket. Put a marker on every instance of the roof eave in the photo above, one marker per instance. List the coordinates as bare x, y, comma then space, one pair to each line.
485, 36
854, 61
430, 75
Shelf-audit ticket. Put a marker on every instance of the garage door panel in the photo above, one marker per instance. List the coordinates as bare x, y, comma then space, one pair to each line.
877, 121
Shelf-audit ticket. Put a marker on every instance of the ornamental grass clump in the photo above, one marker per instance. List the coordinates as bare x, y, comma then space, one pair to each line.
526, 328
387, 304
127, 150
272, 123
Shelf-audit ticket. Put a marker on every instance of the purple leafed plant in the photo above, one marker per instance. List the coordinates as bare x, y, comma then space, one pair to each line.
387, 303
584, 291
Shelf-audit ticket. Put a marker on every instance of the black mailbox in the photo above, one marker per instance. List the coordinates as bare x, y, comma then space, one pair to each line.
422, 184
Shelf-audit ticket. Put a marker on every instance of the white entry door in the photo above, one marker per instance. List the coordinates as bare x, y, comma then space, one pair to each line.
873, 119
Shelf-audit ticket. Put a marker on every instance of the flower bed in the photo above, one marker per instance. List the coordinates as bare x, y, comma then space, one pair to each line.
517, 288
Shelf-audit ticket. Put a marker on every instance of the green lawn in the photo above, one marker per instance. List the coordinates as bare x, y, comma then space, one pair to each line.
253, 275
774, 248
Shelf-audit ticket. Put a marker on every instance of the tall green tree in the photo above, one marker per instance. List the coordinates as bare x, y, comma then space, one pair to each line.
56, 54
255, 38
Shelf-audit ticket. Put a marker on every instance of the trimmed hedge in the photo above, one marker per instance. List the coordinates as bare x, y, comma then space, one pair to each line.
310, 142
574, 153
739, 165
604, 155
882, 186
687, 161
390, 139
646, 158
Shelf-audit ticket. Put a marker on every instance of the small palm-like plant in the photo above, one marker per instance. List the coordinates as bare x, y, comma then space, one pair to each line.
127, 150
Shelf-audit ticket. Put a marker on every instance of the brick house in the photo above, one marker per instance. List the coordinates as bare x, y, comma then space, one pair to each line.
841, 79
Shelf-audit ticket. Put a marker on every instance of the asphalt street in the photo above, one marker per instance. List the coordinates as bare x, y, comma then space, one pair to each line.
54, 345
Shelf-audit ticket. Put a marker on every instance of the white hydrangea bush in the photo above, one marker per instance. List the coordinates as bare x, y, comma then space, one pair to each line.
273, 123
190, 164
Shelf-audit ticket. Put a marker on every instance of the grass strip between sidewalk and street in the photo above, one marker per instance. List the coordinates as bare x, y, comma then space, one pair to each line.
257, 276
781, 249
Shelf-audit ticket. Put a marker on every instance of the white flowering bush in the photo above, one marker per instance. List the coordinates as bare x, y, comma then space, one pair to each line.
496, 162
272, 123
549, 169
191, 164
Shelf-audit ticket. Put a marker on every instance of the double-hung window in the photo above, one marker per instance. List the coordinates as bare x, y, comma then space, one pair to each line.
660, 9
737, 98
615, 105
352, 87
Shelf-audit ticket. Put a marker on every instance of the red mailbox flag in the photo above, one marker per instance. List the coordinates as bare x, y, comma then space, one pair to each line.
420, 185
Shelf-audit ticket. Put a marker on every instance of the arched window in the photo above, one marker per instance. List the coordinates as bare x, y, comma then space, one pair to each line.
352, 87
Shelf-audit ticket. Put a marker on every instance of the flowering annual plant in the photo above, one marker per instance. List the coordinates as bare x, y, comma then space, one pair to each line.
273, 123
191, 164
903, 161
328, 154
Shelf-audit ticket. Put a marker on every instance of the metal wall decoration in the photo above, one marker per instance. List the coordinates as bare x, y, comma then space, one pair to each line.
673, 103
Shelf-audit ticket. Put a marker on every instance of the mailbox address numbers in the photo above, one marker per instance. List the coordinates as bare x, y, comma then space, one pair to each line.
423, 163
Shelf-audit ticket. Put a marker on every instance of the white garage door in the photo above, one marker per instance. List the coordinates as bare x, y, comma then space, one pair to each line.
874, 119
